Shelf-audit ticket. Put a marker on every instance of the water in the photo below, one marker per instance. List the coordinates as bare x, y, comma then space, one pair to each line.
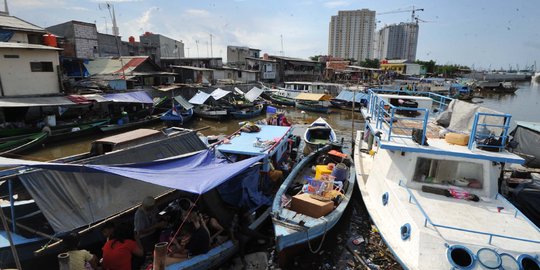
523, 105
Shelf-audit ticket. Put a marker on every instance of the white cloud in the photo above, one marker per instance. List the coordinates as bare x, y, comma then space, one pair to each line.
197, 12
76, 8
36, 3
334, 4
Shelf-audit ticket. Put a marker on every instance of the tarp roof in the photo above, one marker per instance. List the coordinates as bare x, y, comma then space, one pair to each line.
193, 68
130, 97
313, 97
200, 98
253, 94
96, 97
79, 99
116, 65
197, 173
183, 102
535, 126
349, 95
219, 93
34, 102
128, 136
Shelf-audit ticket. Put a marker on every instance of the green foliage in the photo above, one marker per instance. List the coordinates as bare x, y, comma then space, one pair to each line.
444, 70
371, 63
430, 65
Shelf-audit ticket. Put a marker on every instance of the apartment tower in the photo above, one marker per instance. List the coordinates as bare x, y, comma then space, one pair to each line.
351, 34
397, 41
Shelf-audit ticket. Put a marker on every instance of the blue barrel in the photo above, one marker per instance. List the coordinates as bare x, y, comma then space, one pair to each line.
340, 172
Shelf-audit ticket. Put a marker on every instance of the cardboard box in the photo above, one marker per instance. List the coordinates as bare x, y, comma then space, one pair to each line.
308, 206
456, 138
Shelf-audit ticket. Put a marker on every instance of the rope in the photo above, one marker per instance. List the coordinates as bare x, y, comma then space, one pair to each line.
322, 240
183, 221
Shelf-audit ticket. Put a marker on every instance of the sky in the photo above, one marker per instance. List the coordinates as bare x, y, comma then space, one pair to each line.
479, 33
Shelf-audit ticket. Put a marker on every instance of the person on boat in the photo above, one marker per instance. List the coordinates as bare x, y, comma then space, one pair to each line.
79, 259
119, 249
147, 224
195, 240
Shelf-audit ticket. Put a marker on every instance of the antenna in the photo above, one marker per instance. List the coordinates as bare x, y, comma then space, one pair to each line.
282, 52
211, 47
6, 9
115, 31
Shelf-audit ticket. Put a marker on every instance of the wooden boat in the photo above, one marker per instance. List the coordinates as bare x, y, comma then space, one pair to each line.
9, 132
177, 117
345, 100
247, 112
281, 100
318, 134
297, 227
497, 87
63, 134
313, 102
17, 144
435, 201
210, 112
131, 125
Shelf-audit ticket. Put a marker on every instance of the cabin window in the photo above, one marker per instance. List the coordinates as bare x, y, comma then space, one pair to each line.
41, 66
449, 172
11, 56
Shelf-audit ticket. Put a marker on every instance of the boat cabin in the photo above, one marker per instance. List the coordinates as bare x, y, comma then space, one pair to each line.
125, 140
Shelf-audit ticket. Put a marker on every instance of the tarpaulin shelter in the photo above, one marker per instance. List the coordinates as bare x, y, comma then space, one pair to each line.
527, 136
313, 97
200, 98
183, 102
130, 97
349, 96
219, 94
253, 94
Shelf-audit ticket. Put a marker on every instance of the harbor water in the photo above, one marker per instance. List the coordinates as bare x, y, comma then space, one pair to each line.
336, 252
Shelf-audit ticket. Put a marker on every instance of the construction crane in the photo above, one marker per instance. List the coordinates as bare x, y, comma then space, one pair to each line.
412, 9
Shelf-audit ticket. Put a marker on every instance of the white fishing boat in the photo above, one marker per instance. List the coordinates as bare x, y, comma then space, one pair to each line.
436, 204
318, 134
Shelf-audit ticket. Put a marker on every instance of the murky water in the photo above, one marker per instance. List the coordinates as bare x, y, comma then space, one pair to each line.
524, 105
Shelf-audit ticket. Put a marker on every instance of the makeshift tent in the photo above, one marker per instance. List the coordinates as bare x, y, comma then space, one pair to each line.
200, 98
72, 199
527, 136
130, 97
349, 96
219, 93
313, 97
253, 94
183, 102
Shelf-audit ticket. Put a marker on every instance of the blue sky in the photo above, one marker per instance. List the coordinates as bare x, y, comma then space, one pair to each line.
482, 33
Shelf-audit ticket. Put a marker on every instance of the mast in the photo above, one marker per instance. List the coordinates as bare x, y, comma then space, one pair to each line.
6, 9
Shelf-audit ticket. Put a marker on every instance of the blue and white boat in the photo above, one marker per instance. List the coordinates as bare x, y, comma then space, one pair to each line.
435, 201
318, 134
295, 231
179, 114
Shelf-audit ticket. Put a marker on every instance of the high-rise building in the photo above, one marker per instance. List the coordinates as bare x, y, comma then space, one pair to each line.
397, 41
351, 34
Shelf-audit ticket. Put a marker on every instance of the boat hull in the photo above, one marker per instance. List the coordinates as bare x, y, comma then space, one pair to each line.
247, 115
312, 108
213, 115
281, 100
131, 125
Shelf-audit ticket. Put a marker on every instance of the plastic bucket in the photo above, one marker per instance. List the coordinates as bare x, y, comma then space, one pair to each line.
340, 172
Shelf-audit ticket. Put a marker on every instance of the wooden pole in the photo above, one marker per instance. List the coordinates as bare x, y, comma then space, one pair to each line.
12, 246
160, 252
63, 261
352, 122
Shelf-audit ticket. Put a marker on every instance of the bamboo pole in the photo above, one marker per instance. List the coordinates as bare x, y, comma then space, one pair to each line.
12, 246
63, 261
28, 229
160, 252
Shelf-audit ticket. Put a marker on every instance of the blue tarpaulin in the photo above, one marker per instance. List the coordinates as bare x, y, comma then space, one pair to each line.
130, 97
348, 96
243, 191
197, 173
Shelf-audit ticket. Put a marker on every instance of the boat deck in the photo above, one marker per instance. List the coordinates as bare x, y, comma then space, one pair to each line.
243, 144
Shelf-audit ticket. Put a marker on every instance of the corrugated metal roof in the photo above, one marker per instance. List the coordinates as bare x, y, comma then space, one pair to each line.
530, 125
34, 102
129, 136
126, 64
14, 23
313, 97
13, 45
183, 102
193, 68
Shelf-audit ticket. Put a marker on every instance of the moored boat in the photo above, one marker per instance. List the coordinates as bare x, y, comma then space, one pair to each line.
435, 201
179, 114
318, 134
497, 87
303, 217
346, 98
210, 112
247, 113
131, 125
313, 102
281, 100
57, 135
21, 143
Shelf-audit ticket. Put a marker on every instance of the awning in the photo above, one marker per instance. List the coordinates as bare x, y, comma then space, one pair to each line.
200, 98
130, 97
350, 95
253, 94
197, 173
237, 90
313, 97
183, 102
95, 97
219, 93
34, 102
79, 99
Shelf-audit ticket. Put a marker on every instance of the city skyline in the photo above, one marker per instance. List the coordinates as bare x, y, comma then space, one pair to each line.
483, 34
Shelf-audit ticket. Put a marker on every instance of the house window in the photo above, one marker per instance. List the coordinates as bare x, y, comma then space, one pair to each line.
41, 67
11, 56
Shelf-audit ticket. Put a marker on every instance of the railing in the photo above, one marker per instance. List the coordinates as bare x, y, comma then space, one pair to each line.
479, 138
385, 113
428, 220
